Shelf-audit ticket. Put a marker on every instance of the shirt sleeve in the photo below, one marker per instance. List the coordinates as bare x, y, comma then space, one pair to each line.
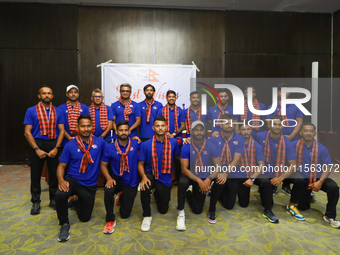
109, 113
272, 114
113, 110
159, 113
106, 153
324, 156
259, 152
65, 155
142, 152
181, 116
209, 115
185, 153
299, 113
86, 110
138, 113
240, 146
214, 151
290, 152
176, 148
60, 116
28, 118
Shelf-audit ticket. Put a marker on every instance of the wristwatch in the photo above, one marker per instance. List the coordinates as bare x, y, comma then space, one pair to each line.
57, 147
210, 178
252, 179
36, 148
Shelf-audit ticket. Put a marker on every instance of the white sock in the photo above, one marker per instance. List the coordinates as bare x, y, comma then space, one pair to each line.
181, 212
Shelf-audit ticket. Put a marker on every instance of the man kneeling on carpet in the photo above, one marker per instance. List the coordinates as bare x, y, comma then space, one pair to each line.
83, 155
195, 164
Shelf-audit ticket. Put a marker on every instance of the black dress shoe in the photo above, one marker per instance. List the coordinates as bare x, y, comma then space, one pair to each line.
52, 204
35, 208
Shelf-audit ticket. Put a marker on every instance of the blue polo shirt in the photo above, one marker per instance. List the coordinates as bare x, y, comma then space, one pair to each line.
259, 151
180, 118
31, 118
193, 116
236, 145
323, 159
118, 114
73, 155
188, 152
250, 117
290, 152
110, 154
145, 155
98, 131
213, 113
292, 112
63, 108
145, 128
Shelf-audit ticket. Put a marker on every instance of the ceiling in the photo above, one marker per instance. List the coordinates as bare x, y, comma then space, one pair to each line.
318, 6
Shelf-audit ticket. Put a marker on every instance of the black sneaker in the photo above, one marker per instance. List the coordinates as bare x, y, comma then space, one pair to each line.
72, 201
35, 208
211, 217
270, 216
287, 190
52, 205
64, 234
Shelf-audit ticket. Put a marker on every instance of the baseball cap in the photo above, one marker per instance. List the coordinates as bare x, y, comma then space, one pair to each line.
195, 123
71, 87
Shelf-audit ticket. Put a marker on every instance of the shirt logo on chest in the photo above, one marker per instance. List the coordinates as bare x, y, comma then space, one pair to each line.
155, 107
94, 146
118, 106
276, 145
226, 111
205, 152
235, 142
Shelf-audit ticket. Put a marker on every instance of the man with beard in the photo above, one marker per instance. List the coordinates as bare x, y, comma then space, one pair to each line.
174, 116
252, 161
195, 161
101, 116
72, 109
123, 157
230, 146
44, 131
291, 132
277, 149
215, 112
314, 162
194, 112
83, 156
157, 154
248, 115
149, 109
127, 110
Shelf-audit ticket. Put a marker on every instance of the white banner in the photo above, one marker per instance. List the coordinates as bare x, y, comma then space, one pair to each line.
162, 77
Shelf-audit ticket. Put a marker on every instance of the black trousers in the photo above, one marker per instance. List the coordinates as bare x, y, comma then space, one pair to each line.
84, 206
37, 166
126, 199
196, 198
233, 187
162, 196
332, 190
298, 187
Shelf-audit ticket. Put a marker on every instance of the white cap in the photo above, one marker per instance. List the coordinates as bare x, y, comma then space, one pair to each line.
195, 123
69, 87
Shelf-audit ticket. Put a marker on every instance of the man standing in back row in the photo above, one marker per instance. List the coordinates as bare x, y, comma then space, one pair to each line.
72, 109
44, 131
126, 110
149, 108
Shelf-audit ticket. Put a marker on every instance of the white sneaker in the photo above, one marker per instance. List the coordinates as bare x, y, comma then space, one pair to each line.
146, 223
181, 223
334, 222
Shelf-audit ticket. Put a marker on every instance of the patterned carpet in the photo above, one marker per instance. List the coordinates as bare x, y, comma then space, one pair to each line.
239, 231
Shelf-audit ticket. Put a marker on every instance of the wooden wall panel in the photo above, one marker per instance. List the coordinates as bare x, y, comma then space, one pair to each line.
38, 47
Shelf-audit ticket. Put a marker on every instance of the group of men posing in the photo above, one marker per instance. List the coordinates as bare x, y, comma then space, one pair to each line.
240, 156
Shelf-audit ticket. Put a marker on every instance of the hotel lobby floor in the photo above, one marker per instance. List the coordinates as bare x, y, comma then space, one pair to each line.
239, 231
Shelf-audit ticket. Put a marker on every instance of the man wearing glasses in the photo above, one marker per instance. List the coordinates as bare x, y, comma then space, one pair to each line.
101, 115
126, 110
